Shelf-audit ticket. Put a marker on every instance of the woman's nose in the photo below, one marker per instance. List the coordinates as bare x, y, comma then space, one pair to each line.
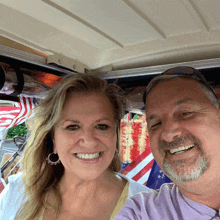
88, 138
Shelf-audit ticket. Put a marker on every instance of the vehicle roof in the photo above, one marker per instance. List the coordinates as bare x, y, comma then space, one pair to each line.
114, 35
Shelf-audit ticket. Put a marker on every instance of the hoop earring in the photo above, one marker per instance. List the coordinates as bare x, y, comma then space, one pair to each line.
52, 162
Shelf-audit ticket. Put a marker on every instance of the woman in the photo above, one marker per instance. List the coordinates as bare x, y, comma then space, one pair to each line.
70, 162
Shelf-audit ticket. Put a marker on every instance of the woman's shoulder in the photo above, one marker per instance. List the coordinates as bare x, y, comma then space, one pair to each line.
134, 187
15, 179
12, 197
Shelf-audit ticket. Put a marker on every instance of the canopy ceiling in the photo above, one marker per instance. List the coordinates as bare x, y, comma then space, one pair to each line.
115, 34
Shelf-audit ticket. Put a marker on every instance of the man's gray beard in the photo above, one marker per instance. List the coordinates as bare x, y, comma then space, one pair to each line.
190, 173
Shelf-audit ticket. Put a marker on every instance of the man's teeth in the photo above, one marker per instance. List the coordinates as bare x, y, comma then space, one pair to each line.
181, 149
88, 156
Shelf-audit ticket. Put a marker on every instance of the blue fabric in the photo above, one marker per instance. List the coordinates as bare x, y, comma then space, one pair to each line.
124, 165
157, 177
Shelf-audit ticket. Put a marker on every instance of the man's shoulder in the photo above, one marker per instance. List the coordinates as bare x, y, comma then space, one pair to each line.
134, 187
150, 204
164, 193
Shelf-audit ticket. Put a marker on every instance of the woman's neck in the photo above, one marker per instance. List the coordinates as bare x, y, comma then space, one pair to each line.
77, 186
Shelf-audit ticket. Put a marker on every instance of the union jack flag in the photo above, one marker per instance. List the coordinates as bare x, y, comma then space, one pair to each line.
13, 116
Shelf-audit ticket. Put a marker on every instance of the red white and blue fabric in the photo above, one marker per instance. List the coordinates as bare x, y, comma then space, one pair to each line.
13, 116
139, 169
145, 171
157, 177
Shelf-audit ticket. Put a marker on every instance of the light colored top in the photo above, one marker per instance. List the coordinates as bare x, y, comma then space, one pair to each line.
167, 203
121, 201
12, 197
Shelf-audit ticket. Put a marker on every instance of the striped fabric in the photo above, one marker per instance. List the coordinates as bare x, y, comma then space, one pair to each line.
139, 169
13, 116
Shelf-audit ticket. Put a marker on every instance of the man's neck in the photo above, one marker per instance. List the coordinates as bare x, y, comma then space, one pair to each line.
204, 192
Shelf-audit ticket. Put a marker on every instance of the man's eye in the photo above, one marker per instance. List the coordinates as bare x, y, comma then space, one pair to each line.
186, 114
102, 127
72, 127
155, 125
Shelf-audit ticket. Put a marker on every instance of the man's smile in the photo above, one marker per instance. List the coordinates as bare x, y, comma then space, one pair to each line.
182, 149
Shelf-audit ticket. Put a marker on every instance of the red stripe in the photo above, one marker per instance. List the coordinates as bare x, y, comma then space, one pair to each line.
6, 118
134, 163
27, 106
26, 102
21, 118
143, 171
8, 125
8, 109
22, 107
1, 186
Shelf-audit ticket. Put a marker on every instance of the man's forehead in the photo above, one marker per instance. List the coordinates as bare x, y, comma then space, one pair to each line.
174, 86
173, 92
150, 115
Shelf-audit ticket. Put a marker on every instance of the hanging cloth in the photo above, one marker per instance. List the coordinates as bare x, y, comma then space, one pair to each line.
13, 116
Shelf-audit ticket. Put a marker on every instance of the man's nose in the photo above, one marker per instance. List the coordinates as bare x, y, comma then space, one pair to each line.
171, 129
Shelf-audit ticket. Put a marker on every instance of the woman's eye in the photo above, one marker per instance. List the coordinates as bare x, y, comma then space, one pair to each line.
72, 127
102, 127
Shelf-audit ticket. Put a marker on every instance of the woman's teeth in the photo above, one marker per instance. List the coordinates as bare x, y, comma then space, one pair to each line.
181, 149
88, 156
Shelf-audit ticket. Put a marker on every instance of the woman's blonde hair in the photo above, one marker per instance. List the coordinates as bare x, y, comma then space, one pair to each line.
39, 177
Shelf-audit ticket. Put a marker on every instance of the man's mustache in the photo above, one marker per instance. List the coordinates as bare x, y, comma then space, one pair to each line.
164, 145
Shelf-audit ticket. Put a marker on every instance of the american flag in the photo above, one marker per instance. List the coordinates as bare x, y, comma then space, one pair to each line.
139, 169
138, 161
13, 116
145, 170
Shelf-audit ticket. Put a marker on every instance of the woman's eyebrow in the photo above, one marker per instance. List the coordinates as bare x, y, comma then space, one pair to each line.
70, 120
104, 119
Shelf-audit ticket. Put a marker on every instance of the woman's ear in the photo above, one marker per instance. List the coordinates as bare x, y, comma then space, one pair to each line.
54, 146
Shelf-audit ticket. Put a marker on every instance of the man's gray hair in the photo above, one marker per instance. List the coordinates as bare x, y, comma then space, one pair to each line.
161, 78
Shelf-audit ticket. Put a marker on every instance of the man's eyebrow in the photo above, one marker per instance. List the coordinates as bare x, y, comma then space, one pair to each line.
179, 102
182, 101
151, 118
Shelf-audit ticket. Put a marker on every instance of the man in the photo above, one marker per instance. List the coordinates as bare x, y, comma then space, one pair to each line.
183, 117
